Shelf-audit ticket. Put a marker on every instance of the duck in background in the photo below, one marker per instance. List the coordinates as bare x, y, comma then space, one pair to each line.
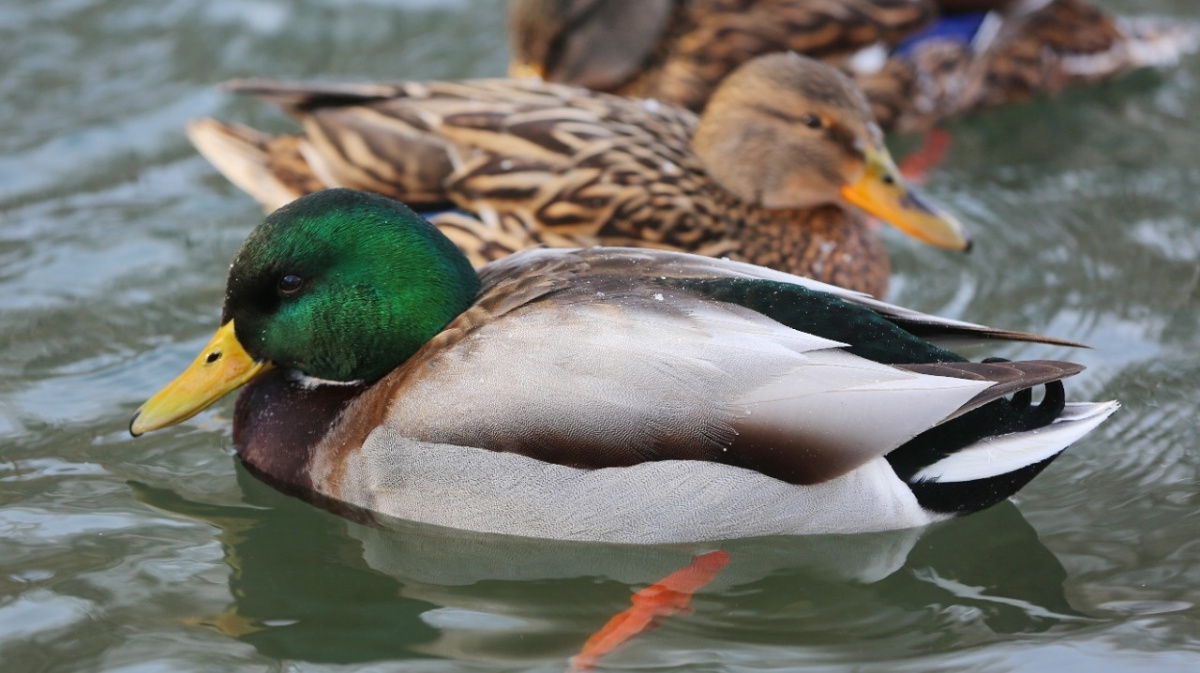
918, 60
609, 394
771, 173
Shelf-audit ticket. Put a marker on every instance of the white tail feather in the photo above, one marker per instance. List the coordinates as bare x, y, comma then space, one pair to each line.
1156, 43
995, 456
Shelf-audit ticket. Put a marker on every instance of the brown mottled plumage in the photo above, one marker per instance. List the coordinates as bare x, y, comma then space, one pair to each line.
760, 177
680, 50
1035, 51
683, 48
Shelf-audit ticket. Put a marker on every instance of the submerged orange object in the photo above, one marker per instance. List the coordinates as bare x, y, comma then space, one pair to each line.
664, 598
929, 155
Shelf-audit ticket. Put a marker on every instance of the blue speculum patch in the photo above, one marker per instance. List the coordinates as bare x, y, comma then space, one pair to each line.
960, 28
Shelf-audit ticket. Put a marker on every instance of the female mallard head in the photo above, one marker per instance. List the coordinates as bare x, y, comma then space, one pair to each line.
785, 131
338, 285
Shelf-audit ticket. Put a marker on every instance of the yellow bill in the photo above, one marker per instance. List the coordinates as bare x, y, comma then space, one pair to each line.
221, 367
882, 192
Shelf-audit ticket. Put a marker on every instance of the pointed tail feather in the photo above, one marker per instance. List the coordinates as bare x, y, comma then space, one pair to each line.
301, 96
1147, 43
243, 155
1157, 43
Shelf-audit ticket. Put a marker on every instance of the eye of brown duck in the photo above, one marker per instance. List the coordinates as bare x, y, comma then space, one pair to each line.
290, 285
812, 121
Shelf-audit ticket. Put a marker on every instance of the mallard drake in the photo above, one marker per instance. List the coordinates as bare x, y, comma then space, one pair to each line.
763, 176
917, 60
608, 394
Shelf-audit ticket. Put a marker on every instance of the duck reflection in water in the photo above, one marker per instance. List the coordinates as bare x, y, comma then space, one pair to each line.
313, 587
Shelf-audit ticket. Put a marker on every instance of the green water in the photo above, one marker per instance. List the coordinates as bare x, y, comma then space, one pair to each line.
163, 554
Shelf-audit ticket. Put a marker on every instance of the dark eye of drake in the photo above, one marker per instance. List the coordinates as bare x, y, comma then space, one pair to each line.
290, 285
811, 121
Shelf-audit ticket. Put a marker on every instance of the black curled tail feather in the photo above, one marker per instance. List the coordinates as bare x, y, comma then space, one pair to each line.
999, 417
991, 418
1050, 408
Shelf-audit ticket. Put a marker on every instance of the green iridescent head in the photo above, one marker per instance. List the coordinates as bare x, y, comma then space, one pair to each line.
345, 285
339, 285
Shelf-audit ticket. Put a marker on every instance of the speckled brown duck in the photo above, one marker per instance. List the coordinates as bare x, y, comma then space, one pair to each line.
918, 60
772, 173
610, 394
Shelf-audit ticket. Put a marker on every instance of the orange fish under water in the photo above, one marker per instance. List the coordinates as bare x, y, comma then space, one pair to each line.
933, 150
669, 596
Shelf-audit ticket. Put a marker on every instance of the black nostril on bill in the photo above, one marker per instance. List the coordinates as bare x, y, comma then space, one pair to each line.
212, 357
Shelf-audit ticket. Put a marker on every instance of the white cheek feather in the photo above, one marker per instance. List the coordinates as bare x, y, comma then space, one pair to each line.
310, 382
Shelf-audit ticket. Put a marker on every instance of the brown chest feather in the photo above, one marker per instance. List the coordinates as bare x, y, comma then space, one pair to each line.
278, 422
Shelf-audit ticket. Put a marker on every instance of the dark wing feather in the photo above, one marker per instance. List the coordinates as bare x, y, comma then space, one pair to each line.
1007, 377
688, 269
